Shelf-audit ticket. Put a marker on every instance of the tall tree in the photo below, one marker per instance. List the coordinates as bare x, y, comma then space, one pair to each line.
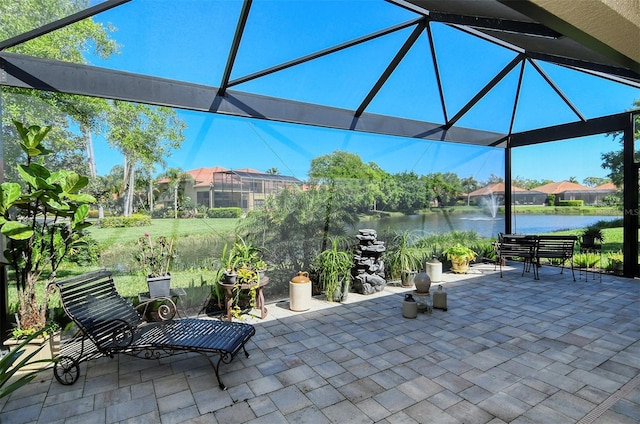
350, 178
595, 181
494, 179
470, 184
443, 189
145, 135
411, 192
66, 112
177, 178
292, 225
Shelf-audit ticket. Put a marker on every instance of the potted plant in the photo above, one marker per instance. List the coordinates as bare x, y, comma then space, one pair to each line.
242, 270
460, 257
591, 235
616, 262
402, 259
333, 268
155, 257
42, 217
19, 359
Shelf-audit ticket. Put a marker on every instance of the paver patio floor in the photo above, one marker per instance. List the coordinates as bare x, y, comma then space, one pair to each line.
507, 350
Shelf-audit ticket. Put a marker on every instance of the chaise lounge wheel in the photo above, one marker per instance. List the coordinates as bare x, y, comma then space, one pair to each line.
66, 370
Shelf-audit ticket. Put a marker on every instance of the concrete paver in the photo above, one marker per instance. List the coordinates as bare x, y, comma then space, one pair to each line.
509, 349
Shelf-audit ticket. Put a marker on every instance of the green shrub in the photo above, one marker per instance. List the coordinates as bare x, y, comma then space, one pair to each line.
579, 203
161, 213
485, 250
135, 220
224, 213
86, 251
587, 260
95, 213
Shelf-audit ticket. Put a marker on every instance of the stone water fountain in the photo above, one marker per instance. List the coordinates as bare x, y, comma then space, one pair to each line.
368, 267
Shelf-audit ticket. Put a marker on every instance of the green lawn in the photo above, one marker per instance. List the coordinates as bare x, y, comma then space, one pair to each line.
612, 238
165, 227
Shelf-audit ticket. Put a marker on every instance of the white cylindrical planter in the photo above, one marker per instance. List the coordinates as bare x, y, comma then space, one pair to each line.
434, 269
300, 292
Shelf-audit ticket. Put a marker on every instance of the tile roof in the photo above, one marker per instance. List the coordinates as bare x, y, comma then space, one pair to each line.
496, 188
561, 187
204, 176
606, 186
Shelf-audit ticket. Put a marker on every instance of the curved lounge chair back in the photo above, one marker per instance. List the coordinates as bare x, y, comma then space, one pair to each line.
93, 303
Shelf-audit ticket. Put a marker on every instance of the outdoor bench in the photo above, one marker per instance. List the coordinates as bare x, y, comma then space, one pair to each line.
556, 247
108, 325
533, 248
511, 246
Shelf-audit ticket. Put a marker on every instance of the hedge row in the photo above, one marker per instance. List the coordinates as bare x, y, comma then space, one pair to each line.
224, 213
135, 220
571, 202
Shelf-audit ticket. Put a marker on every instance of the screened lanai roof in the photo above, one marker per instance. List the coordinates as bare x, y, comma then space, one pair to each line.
498, 73
262, 176
412, 68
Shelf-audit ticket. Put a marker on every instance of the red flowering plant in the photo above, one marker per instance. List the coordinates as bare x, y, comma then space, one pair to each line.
155, 256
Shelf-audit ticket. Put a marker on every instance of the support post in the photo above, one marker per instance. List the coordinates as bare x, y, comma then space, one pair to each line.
507, 188
4, 282
630, 201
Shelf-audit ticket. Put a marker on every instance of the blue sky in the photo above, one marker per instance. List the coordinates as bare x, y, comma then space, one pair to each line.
190, 40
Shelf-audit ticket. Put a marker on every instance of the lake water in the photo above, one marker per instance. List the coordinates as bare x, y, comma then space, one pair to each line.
483, 224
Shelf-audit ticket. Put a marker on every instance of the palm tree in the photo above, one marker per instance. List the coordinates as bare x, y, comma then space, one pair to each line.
176, 177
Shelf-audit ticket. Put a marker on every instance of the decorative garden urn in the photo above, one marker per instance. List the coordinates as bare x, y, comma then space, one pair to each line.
422, 282
409, 307
440, 299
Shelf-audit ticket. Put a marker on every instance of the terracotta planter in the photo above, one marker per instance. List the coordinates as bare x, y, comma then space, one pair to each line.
459, 265
49, 347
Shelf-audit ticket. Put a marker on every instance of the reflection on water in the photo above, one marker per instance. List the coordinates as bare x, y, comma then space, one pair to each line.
483, 224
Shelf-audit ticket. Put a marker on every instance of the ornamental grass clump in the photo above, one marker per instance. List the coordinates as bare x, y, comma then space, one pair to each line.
155, 256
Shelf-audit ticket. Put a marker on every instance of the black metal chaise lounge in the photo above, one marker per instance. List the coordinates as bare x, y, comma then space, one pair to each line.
109, 325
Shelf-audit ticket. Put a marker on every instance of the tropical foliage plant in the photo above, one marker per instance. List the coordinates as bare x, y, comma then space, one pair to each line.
401, 255
333, 269
294, 225
15, 360
243, 263
43, 217
459, 252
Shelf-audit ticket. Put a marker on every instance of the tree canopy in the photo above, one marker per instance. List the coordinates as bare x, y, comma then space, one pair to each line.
145, 135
